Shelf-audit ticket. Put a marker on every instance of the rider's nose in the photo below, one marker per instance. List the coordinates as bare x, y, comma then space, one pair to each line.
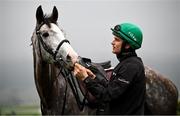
112, 43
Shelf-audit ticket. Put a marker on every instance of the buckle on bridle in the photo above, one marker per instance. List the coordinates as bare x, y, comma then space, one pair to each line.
38, 32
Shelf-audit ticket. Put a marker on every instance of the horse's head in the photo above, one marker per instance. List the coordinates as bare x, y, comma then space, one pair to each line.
49, 41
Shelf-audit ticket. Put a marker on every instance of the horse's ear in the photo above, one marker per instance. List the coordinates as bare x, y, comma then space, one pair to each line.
39, 15
54, 15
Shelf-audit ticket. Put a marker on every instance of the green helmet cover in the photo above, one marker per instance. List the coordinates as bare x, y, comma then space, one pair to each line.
130, 33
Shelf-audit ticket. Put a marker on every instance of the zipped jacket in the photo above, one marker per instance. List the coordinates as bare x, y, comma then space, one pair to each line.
124, 94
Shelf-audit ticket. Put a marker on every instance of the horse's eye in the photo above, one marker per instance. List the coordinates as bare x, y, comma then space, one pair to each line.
45, 34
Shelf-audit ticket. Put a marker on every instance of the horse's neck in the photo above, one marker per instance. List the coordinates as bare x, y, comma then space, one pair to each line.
44, 75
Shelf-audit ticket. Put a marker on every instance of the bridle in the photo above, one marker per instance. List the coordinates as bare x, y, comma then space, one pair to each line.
64, 71
44, 45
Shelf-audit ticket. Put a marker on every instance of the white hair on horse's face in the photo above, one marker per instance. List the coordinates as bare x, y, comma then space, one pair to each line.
52, 37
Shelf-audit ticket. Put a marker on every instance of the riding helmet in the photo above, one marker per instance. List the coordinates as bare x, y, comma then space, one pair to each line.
129, 33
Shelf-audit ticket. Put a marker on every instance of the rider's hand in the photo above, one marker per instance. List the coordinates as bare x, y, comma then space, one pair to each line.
81, 72
91, 74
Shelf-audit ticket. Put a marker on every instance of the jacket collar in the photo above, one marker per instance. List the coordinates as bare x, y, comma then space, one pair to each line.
125, 55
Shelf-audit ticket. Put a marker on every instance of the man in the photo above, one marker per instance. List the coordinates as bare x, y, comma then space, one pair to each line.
125, 91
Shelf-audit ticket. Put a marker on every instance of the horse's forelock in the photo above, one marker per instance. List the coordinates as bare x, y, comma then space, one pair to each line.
47, 20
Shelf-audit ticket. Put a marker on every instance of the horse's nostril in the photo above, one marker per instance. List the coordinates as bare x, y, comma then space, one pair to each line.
45, 34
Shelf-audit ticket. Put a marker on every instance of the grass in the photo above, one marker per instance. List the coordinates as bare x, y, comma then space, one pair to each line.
178, 108
34, 110
31, 110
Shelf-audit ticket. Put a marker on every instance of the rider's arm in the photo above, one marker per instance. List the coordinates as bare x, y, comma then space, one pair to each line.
112, 90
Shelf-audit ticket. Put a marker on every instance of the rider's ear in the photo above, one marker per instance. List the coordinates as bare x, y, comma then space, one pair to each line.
127, 46
54, 15
39, 15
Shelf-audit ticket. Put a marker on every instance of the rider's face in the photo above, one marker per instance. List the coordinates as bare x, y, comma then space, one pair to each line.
116, 45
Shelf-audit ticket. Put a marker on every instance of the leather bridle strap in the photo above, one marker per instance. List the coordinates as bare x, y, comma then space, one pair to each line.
60, 44
43, 43
50, 51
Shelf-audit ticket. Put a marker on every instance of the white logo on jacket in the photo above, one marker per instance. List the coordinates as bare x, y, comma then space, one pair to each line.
123, 80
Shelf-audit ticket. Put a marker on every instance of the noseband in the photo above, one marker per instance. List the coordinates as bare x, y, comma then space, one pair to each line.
49, 50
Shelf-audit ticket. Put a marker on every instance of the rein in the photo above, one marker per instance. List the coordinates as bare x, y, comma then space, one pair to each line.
64, 71
74, 87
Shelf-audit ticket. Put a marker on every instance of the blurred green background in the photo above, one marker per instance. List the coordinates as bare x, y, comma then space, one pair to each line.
33, 110
30, 110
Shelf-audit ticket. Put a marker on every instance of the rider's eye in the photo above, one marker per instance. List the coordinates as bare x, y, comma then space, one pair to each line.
45, 34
